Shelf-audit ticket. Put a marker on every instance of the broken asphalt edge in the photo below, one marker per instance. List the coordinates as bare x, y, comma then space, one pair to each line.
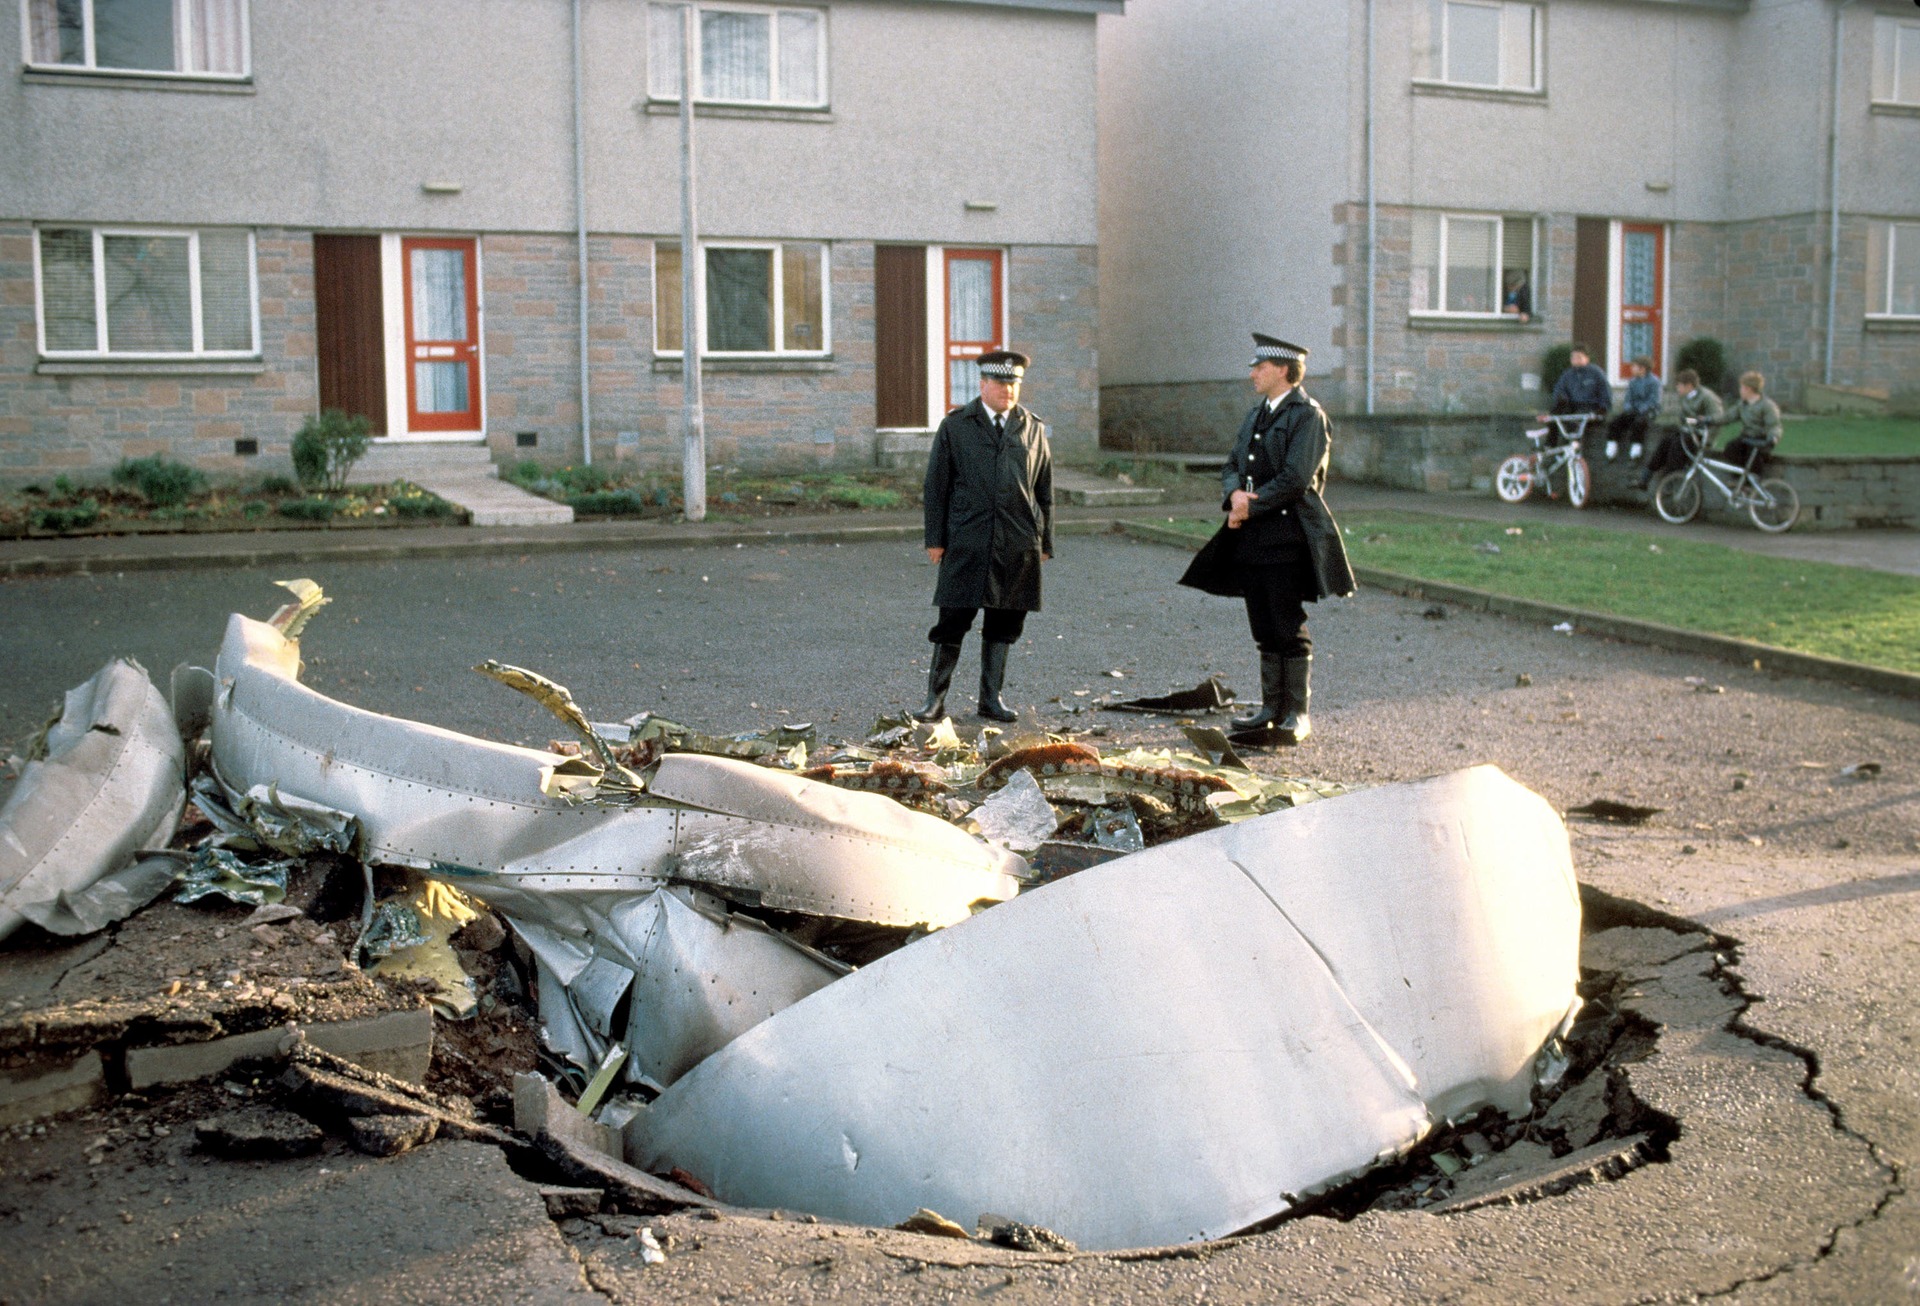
1762, 657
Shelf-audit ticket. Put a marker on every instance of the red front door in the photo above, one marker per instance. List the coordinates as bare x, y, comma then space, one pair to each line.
1643, 279
443, 334
974, 316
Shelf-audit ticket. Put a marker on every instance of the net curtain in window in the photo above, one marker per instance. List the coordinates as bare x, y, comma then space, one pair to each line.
440, 313
196, 36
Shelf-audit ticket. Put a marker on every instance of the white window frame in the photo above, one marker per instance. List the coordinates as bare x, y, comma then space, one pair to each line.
1442, 41
773, 13
182, 42
197, 308
1886, 44
1499, 221
779, 298
1883, 294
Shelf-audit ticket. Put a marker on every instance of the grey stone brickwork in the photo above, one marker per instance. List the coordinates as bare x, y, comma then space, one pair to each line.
791, 414
83, 425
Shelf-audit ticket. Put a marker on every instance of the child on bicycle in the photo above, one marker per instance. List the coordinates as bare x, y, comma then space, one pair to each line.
1696, 402
1759, 419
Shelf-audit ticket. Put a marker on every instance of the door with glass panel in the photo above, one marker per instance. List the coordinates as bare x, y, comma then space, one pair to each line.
974, 316
443, 335
1643, 254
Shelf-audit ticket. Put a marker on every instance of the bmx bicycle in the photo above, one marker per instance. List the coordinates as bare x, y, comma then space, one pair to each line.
1556, 448
1770, 502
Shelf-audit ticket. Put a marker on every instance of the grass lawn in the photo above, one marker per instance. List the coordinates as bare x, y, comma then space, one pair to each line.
1850, 437
1842, 612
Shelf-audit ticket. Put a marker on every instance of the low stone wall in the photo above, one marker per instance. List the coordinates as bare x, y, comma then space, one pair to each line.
1442, 452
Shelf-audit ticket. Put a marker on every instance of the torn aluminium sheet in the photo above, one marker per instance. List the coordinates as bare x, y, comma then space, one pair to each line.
1170, 1046
110, 784
582, 881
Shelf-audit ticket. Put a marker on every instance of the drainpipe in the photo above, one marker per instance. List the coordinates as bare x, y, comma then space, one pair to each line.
1833, 201
1372, 209
580, 240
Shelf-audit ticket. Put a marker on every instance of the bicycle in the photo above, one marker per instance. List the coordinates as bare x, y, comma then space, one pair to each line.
1518, 474
1772, 504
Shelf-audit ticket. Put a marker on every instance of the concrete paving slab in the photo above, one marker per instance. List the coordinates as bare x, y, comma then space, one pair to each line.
1088, 490
397, 1043
43, 1089
491, 501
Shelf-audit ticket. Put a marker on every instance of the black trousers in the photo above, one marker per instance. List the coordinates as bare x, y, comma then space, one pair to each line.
1276, 610
1753, 457
1629, 427
1673, 453
1002, 626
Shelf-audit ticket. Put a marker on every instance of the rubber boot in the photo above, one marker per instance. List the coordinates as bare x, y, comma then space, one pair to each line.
993, 674
1272, 695
940, 675
1295, 727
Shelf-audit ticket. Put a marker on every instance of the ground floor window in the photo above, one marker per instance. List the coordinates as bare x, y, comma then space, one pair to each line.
755, 298
1474, 265
1893, 269
146, 292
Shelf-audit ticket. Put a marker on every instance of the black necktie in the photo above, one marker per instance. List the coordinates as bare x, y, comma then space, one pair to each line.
1268, 412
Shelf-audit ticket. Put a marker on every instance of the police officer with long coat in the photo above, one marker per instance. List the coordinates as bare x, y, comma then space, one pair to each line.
1279, 548
989, 526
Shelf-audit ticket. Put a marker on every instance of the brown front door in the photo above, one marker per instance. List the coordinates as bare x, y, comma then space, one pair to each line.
1590, 274
900, 335
349, 327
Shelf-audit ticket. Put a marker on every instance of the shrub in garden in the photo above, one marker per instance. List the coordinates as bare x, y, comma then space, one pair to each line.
313, 509
164, 482
326, 448
1558, 359
408, 500
612, 503
1706, 356
73, 517
277, 484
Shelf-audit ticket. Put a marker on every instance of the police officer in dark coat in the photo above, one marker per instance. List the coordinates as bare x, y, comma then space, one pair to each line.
1280, 548
989, 526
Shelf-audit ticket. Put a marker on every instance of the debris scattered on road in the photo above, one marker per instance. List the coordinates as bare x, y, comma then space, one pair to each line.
1701, 685
1210, 695
104, 781
1436, 611
259, 1133
1862, 771
1616, 813
933, 1224
1564, 627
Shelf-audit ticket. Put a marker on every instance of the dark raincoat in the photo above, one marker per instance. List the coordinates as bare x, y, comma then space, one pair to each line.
1288, 467
989, 504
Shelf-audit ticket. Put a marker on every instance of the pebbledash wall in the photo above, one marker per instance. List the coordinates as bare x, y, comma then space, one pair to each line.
83, 418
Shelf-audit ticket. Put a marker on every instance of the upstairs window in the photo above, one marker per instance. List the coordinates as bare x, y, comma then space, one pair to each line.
198, 38
145, 293
745, 55
759, 298
1488, 43
1893, 270
1473, 265
1896, 60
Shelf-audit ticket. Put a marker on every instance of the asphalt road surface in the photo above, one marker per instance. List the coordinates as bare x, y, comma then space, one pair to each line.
1799, 1121
737, 638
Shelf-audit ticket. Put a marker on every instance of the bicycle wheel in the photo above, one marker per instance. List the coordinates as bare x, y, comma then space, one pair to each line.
1677, 497
1774, 506
1514, 480
1578, 482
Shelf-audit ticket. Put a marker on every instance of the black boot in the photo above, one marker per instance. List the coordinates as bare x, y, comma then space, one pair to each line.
1272, 695
1295, 727
993, 674
945, 658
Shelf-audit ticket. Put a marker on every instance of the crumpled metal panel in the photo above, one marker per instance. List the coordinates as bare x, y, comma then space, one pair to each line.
460, 806
1170, 1046
112, 783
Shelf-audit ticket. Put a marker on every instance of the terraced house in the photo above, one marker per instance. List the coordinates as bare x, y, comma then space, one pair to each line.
1390, 181
219, 216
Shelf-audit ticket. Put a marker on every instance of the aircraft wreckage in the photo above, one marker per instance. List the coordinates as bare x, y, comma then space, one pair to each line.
1231, 1021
